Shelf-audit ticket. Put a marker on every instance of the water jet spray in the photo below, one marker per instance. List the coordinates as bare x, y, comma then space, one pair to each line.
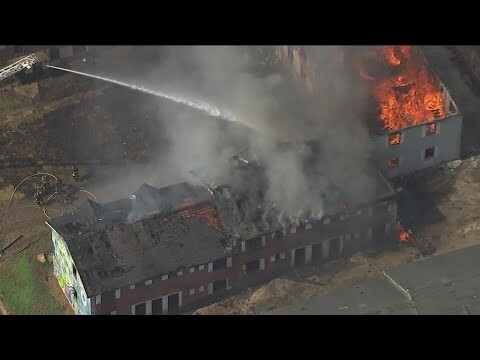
196, 104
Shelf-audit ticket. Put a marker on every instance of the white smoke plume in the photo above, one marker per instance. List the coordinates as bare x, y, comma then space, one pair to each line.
277, 110
270, 109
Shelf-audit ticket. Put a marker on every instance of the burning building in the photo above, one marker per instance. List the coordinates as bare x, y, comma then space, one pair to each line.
167, 250
170, 249
413, 120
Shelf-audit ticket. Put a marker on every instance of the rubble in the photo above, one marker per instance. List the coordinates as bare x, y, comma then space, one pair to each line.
41, 258
474, 161
453, 164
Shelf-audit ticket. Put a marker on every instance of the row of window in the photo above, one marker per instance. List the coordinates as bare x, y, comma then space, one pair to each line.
396, 137
192, 291
251, 245
212, 266
159, 306
259, 243
172, 302
259, 264
428, 153
334, 247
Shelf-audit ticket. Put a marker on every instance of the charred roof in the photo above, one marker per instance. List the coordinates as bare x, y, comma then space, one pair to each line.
111, 249
161, 231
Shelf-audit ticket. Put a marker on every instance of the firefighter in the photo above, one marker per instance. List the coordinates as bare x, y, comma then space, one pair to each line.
38, 199
68, 191
37, 189
75, 174
45, 185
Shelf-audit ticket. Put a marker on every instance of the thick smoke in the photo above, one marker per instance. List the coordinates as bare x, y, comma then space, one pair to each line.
275, 110
271, 109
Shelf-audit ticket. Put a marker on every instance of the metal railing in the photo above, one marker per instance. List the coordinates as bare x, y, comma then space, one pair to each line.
24, 63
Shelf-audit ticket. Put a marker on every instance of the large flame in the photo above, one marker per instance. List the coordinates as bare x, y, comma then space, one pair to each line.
409, 94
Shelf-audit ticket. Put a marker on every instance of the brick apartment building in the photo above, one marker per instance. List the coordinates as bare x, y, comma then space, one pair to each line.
169, 250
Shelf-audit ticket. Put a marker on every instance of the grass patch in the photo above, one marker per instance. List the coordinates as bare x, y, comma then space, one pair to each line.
21, 284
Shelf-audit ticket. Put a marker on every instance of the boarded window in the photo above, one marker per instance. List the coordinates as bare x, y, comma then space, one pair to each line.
254, 244
220, 264
157, 306
173, 302
108, 296
394, 139
334, 248
429, 153
219, 285
252, 266
141, 309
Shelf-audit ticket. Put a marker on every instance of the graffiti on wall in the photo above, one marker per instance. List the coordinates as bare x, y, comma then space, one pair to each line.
68, 277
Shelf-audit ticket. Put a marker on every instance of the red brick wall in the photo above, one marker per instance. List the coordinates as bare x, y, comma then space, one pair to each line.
235, 274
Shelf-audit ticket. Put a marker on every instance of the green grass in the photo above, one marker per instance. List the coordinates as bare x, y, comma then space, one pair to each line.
21, 286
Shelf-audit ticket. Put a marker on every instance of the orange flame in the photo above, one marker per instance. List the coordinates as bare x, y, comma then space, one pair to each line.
394, 139
391, 56
410, 95
404, 234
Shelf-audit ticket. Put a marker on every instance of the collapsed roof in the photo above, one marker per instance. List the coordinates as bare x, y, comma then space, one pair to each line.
162, 231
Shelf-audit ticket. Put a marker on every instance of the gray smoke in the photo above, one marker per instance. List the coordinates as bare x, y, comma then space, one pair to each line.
270, 109
278, 110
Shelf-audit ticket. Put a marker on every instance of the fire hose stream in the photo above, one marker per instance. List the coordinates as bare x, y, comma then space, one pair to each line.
46, 202
44, 209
